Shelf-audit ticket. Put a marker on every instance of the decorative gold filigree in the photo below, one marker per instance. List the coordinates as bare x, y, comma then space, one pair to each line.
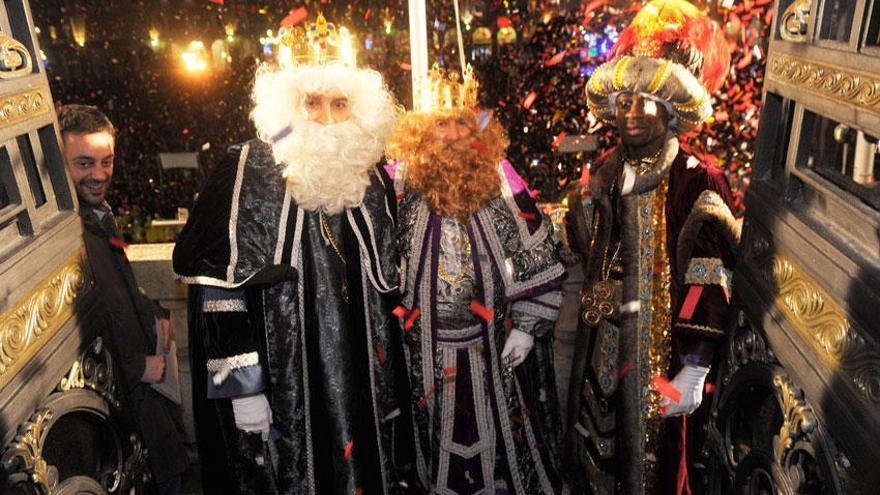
819, 320
135, 466
794, 22
15, 60
25, 328
844, 85
94, 371
798, 418
25, 453
19, 107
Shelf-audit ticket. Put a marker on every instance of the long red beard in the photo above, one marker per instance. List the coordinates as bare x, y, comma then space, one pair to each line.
456, 179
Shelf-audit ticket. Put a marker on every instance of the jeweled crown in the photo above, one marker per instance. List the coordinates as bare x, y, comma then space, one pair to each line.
442, 89
319, 43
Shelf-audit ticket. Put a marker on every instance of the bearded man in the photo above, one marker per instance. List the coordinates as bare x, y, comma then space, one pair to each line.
481, 284
656, 232
290, 251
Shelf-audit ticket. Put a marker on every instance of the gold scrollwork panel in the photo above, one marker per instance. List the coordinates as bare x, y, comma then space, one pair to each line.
18, 107
25, 328
817, 318
844, 85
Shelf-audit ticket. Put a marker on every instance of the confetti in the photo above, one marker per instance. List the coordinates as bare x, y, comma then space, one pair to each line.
690, 302
424, 401
482, 148
555, 59
348, 449
482, 311
625, 368
530, 98
411, 318
295, 17
666, 389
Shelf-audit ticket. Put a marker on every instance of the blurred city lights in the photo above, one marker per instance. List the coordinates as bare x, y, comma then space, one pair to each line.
195, 57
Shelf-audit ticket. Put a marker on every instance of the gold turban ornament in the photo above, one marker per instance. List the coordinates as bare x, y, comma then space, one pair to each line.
671, 51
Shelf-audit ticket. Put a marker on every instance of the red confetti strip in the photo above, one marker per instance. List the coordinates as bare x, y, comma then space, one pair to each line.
664, 388
504, 22
482, 311
348, 448
690, 302
411, 318
588, 11
424, 401
400, 311
555, 59
585, 180
295, 17
530, 98
482, 148
527, 216
625, 368
405, 66
710, 387
367, 14
117, 243
658, 267
558, 139
400, 196
380, 352
449, 371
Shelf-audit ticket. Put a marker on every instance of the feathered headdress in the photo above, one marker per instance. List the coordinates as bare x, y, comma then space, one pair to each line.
671, 51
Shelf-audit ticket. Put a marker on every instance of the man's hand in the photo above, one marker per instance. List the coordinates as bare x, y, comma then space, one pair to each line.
689, 381
252, 414
154, 371
517, 347
166, 334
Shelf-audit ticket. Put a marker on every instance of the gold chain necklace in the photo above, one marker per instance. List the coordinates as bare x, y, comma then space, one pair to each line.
464, 266
325, 226
643, 164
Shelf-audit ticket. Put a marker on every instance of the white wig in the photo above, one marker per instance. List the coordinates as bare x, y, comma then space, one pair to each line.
327, 166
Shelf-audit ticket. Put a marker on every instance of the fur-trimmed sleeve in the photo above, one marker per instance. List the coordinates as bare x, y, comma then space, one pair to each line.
704, 258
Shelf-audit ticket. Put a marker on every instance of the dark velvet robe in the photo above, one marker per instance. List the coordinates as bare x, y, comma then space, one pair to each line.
129, 330
327, 353
476, 427
699, 233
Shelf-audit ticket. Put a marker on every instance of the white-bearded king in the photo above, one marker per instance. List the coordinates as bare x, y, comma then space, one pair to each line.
290, 255
481, 293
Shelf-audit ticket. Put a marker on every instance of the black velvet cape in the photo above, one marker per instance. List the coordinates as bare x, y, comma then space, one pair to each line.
330, 360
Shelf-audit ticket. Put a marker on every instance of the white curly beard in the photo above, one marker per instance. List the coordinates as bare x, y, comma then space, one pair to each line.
327, 167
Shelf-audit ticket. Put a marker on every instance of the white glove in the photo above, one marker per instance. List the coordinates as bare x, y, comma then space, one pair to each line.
517, 346
689, 381
252, 414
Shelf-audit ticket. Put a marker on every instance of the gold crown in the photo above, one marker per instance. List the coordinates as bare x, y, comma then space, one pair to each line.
442, 89
320, 43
